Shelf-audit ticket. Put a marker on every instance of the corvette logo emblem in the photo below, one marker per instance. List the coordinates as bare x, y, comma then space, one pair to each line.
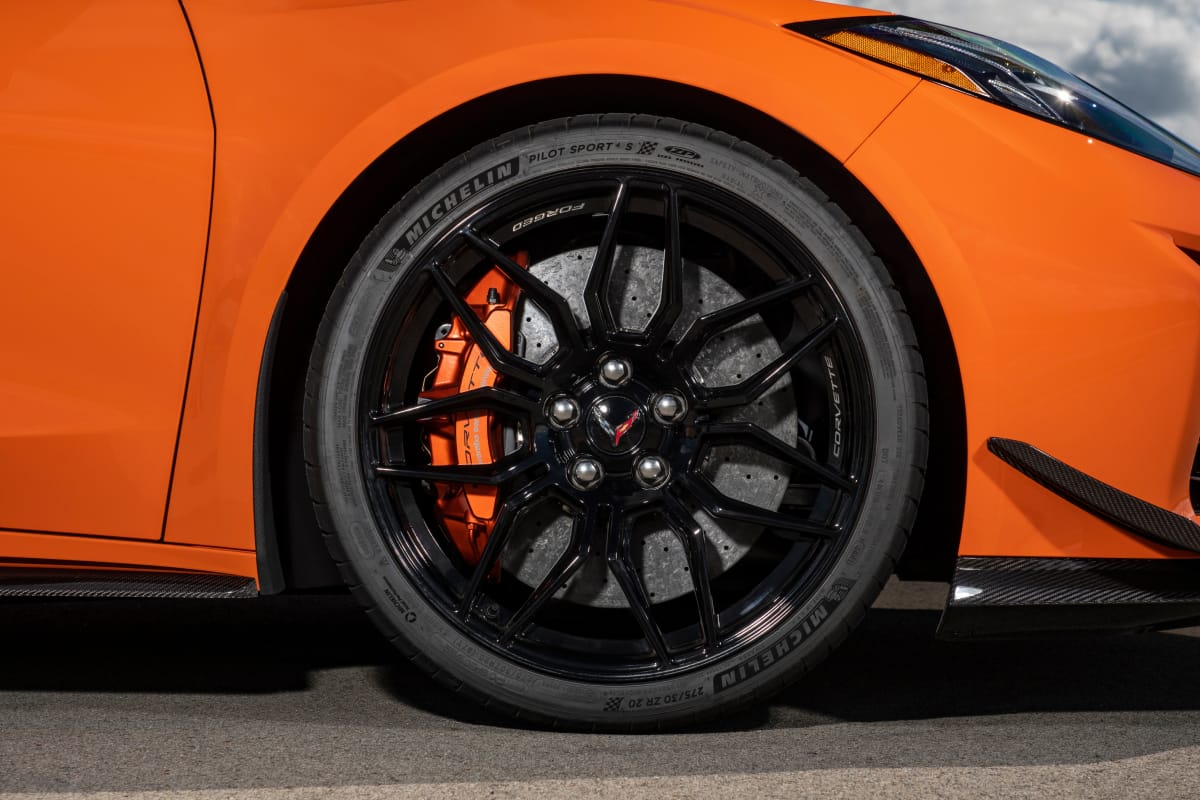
616, 424
615, 434
623, 428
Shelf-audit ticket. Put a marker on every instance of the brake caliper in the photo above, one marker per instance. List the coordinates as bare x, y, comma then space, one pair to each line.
468, 511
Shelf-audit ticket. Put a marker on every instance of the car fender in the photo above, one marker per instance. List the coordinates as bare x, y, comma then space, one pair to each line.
290, 139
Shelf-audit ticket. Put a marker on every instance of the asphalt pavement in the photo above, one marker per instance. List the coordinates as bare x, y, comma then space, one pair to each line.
286, 698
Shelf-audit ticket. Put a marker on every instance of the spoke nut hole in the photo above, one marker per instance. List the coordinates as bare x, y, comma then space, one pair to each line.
586, 473
651, 471
669, 408
615, 372
562, 412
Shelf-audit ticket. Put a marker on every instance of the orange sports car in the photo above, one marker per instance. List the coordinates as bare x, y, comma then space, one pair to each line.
613, 354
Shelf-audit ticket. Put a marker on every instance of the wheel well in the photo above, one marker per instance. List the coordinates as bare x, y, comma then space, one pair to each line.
298, 546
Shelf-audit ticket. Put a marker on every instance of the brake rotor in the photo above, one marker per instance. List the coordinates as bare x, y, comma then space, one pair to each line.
742, 473
468, 512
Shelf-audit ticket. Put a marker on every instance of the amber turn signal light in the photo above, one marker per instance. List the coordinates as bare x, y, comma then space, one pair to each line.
902, 57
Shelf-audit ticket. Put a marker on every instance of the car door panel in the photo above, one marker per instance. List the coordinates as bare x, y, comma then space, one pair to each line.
106, 148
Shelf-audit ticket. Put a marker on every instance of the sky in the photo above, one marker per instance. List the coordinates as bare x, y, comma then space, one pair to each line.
1145, 53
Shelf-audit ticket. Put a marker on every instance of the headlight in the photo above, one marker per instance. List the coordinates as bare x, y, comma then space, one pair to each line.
1004, 74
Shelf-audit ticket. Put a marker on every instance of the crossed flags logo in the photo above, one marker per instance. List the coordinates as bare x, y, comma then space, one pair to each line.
647, 148
613, 704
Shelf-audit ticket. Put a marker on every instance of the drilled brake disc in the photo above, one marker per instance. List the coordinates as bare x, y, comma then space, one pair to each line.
742, 473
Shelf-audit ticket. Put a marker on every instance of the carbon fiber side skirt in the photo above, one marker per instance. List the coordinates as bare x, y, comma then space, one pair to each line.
94, 583
1020, 596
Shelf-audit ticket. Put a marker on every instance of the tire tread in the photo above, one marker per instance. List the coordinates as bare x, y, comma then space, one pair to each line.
913, 370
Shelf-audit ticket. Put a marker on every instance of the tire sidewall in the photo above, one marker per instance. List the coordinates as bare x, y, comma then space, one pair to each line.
378, 270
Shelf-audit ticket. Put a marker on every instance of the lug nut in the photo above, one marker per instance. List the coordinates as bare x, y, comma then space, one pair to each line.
651, 471
669, 408
586, 473
615, 372
563, 412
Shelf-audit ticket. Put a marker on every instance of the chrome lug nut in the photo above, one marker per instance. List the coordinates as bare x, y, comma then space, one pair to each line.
651, 471
615, 372
586, 473
669, 408
563, 412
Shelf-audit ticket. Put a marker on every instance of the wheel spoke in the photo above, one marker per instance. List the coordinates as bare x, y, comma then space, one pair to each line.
751, 435
499, 356
596, 292
752, 388
487, 398
671, 302
721, 506
493, 474
715, 277
620, 564
694, 541
550, 301
707, 326
511, 511
578, 551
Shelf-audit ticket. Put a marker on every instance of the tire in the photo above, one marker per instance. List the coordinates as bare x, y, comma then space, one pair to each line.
735, 520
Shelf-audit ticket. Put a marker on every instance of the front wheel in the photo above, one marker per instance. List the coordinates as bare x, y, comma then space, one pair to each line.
615, 422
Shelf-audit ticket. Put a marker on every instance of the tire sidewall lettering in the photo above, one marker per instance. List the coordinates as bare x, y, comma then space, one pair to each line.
384, 268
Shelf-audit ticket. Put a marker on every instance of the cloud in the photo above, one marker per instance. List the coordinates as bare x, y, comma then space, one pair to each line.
1140, 51
1152, 77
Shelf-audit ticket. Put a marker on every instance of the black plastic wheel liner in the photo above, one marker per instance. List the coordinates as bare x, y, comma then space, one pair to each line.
781, 282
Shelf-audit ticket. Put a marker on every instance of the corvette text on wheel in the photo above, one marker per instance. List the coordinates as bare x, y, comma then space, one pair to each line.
613, 374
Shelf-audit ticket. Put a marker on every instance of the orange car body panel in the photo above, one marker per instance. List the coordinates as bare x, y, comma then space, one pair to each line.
1073, 312
92, 551
106, 148
307, 95
1075, 315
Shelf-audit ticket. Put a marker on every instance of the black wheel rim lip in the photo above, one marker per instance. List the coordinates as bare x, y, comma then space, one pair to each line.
418, 565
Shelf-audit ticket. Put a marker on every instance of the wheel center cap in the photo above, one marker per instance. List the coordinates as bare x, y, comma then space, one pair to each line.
615, 424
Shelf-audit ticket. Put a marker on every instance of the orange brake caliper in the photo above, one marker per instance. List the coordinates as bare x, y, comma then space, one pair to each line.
468, 511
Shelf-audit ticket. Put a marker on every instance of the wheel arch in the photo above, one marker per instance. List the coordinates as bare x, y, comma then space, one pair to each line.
289, 541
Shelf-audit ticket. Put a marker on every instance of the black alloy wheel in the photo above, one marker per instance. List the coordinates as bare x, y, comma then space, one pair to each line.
706, 420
